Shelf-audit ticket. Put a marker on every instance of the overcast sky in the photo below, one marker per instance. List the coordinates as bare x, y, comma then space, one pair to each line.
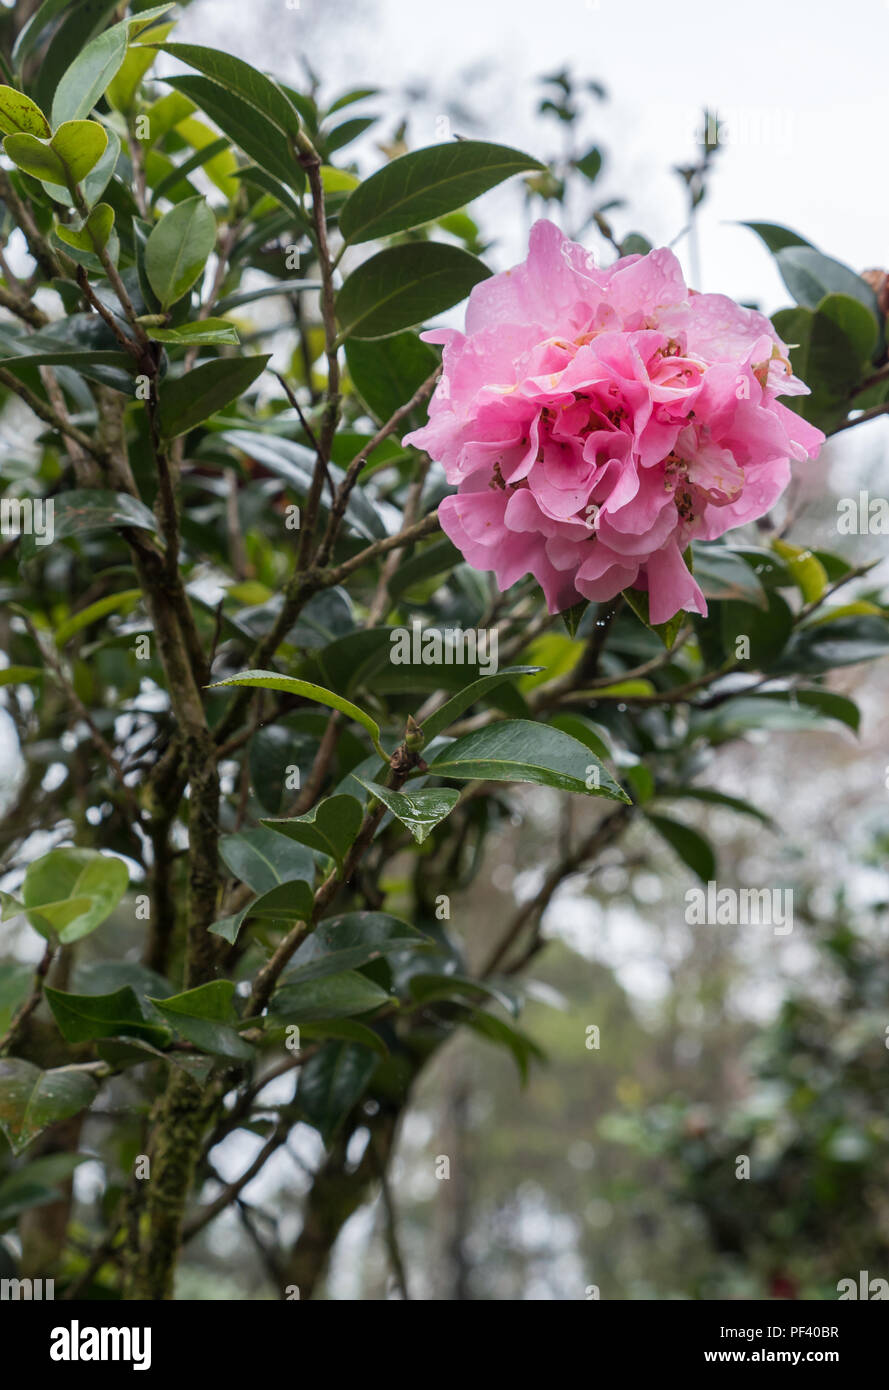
801, 85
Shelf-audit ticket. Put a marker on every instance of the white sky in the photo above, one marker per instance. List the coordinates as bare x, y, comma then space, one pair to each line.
802, 85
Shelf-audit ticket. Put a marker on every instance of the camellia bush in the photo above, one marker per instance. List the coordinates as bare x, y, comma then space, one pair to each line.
293, 603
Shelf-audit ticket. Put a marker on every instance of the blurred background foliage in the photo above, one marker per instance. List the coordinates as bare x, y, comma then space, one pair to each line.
615, 1167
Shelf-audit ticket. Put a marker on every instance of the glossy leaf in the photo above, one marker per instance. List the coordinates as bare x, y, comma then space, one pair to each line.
241, 79
289, 685
19, 114
262, 860
452, 709
330, 827
93, 236
724, 574
70, 892
80, 512
206, 1016
692, 848
387, 372
810, 275
75, 148
405, 285
419, 811
521, 751
31, 1099
177, 249
332, 1082
349, 942
94, 67
331, 996
426, 183
203, 333
192, 398
85, 1017
259, 138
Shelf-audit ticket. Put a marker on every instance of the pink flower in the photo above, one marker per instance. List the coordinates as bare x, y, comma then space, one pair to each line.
596, 421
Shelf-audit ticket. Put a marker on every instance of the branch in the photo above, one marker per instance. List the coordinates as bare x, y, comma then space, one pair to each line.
46, 413
338, 509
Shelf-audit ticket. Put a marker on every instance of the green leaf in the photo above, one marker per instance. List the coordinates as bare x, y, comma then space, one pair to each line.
775, 237
70, 892
825, 358
259, 138
93, 235
91, 72
386, 373
241, 79
810, 276
452, 709
122, 90
438, 558
124, 601
262, 860
854, 320
178, 247
349, 942
590, 734
74, 149
519, 750
405, 285
289, 901
637, 599
30, 1187
16, 980
331, 996
285, 287
828, 703
295, 463
203, 333
345, 133
694, 851
332, 1082
289, 685
425, 184
711, 797
419, 811
84, 510
843, 642
192, 398
89, 75
807, 570
429, 988
724, 574
348, 1029
31, 1099
19, 675
292, 901
206, 1017
590, 164
85, 1017
768, 632
497, 1030
96, 181
20, 115
349, 98
740, 715
330, 827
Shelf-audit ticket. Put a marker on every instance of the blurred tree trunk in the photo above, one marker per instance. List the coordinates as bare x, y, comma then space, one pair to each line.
336, 1193
455, 1198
